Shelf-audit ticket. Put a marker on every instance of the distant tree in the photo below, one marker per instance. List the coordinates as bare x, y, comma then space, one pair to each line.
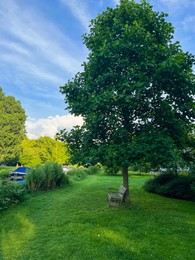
74, 139
12, 127
136, 89
29, 153
42, 150
51, 150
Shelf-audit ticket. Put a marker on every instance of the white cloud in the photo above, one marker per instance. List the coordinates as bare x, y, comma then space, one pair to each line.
51, 125
80, 11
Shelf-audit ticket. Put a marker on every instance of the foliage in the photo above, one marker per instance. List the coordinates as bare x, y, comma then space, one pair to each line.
29, 154
141, 167
94, 169
78, 174
189, 152
74, 139
11, 193
5, 171
45, 177
82, 172
42, 150
75, 223
12, 125
135, 92
173, 185
192, 168
112, 170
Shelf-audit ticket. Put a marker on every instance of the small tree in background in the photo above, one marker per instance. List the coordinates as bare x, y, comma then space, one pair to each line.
42, 150
136, 89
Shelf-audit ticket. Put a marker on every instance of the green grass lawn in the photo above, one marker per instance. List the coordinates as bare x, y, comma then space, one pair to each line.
76, 223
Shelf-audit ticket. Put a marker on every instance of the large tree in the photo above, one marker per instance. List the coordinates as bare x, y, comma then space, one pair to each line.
12, 127
136, 89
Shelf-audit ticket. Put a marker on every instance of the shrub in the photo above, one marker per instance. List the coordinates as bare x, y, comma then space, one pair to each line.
78, 174
155, 184
4, 175
46, 177
180, 187
192, 168
93, 169
11, 193
5, 171
173, 185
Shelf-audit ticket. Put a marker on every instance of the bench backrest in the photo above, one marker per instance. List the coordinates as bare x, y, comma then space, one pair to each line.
122, 190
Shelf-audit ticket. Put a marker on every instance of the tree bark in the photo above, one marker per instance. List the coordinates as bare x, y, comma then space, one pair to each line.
126, 183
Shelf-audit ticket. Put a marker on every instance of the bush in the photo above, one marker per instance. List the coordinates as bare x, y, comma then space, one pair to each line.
173, 185
181, 187
192, 168
93, 169
78, 174
4, 175
11, 193
5, 171
46, 177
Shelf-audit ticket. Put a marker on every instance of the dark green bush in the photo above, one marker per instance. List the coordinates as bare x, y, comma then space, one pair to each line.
192, 168
181, 187
165, 178
155, 185
11, 193
173, 185
46, 177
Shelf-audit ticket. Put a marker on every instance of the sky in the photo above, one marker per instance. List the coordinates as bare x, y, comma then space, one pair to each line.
41, 48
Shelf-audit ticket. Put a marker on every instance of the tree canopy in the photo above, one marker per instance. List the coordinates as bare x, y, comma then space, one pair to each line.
12, 127
42, 150
136, 89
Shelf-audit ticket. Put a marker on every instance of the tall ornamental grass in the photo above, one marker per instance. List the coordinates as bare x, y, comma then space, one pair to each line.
46, 177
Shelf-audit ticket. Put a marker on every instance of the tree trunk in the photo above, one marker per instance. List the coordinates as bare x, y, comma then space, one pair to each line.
126, 183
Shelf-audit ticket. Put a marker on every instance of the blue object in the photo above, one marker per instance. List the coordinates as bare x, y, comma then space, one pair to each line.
18, 175
21, 169
21, 182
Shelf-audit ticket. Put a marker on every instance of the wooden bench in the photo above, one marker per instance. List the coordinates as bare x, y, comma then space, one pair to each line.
115, 199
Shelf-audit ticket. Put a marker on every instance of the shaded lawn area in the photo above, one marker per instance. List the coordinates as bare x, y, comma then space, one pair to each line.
76, 223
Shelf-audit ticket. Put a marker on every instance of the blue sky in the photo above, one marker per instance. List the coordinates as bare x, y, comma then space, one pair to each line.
41, 48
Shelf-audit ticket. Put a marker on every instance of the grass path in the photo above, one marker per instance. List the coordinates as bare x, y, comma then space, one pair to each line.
76, 223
